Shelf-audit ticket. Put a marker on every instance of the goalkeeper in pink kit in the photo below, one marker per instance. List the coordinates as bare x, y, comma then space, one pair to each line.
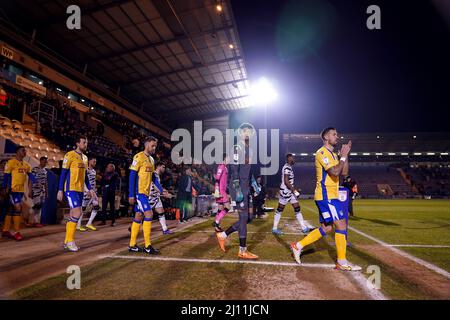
220, 193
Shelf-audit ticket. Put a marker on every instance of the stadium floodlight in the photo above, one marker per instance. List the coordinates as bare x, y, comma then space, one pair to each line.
303, 154
366, 154
378, 154
391, 153
404, 153
417, 153
444, 153
430, 153
263, 93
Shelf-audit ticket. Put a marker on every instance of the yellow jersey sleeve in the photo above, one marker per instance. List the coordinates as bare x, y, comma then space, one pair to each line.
67, 160
325, 159
9, 167
136, 164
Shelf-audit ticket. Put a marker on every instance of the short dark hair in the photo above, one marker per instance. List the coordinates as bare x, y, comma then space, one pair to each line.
43, 158
80, 137
325, 131
150, 139
288, 155
92, 157
19, 147
224, 155
159, 164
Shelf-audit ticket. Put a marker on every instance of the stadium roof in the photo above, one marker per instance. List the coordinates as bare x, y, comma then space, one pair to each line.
176, 59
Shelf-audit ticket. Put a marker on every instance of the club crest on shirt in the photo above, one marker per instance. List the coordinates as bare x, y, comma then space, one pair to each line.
326, 161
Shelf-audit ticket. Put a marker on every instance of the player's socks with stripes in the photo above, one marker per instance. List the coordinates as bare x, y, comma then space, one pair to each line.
7, 223
92, 217
276, 219
221, 214
147, 229
135, 226
162, 221
341, 244
71, 226
312, 237
17, 219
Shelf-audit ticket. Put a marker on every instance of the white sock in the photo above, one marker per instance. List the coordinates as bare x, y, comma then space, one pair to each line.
37, 216
79, 220
300, 220
299, 246
242, 249
223, 235
162, 221
92, 217
276, 219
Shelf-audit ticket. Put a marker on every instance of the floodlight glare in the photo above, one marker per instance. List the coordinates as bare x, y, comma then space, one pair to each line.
263, 93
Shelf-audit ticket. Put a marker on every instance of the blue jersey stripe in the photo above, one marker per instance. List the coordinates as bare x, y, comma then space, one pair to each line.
322, 183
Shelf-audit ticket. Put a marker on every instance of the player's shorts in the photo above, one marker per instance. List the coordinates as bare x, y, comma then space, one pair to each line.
15, 197
223, 199
287, 196
74, 198
142, 204
330, 210
156, 203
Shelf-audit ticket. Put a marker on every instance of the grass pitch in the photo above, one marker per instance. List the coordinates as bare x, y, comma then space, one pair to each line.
413, 223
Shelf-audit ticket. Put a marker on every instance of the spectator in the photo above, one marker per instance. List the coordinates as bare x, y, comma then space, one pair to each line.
109, 183
4, 201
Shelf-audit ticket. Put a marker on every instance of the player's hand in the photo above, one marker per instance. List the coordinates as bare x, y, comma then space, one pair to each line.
345, 150
60, 195
296, 193
93, 194
131, 200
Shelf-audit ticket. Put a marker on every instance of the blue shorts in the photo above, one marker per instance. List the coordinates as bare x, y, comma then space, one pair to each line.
142, 204
330, 210
15, 197
74, 198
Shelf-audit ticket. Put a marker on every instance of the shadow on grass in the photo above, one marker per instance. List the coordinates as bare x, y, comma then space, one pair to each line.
377, 221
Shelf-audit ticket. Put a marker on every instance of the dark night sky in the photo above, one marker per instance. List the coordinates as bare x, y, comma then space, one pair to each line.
331, 70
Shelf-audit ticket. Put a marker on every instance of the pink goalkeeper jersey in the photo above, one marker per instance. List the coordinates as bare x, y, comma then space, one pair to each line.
222, 178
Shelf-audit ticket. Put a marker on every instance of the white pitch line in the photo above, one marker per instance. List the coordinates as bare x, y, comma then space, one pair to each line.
399, 252
368, 288
418, 245
270, 263
404, 254
357, 276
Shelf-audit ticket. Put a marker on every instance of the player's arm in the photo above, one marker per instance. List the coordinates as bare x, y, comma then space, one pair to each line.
338, 169
64, 172
345, 170
7, 178
157, 183
219, 173
134, 168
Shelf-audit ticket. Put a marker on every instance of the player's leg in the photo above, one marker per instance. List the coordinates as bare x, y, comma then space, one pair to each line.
38, 213
145, 208
104, 207
224, 208
245, 217
95, 208
8, 219
17, 220
340, 237
298, 215
326, 221
135, 228
75, 200
162, 217
277, 217
79, 226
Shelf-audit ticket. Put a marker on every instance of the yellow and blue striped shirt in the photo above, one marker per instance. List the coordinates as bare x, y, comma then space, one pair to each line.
327, 186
